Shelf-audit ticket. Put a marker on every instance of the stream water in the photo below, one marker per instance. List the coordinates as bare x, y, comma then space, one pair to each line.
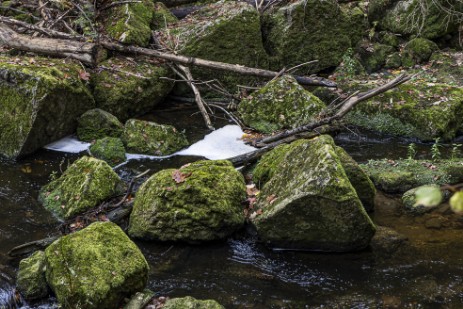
241, 273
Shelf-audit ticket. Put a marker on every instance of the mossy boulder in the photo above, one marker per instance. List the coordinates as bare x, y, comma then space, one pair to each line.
133, 88
359, 179
198, 202
281, 104
418, 109
109, 149
129, 23
446, 67
226, 31
96, 267
424, 18
417, 51
189, 302
31, 281
398, 176
151, 138
97, 123
393, 61
373, 56
306, 200
41, 99
86, 183
162, 16
308, 30
411, 201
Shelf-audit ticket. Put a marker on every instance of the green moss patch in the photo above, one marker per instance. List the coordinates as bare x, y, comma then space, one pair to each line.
198, 202
97, 123
31, 281
189, 302
96, 267
109, 149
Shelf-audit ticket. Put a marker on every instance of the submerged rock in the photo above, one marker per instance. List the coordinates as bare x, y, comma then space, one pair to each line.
134, 86
109, 149
85, 184
96, 267
359, 179
151, 138
307, 202
189, 302
41, 99
200, 201
398, 176
308, 30
281, 104
386, 242
31, 281
97, 123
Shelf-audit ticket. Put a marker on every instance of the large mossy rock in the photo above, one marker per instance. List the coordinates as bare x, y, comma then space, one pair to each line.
398, 176
97, 123
424, 18
281, 104
152, 138
362, 184
419, 108
96, 267
85, 184
308, 30
40, 100
31, 281
129, 23
109, 149
189, 302
417, 51
306, 200
134, 87
198, 202
227, 31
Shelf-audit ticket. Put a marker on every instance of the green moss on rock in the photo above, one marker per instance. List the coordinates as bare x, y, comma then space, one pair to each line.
41, 99
309, 203
162, 16
401, 175
96, 267
151, 138
409, 199
308, 30
31, 281
198, 202
109, 149
280, 104
373, 55
417, 51
189, 302
447, 67
86, 183
134, 88
96, 123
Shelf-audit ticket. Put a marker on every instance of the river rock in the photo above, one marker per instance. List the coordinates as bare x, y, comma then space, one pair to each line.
130, 87
97, 123
85, 184
359, 179
413, 198
151, 138
189, 302
226, 31
308, 30
31, 281
398, 176
281, 104
306, 200
422, 18
200, 201
422, 109
96, 267
129, 23
109, 149
41, 99
386, 242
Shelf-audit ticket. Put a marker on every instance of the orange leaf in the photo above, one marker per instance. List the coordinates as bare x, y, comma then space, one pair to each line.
84, 75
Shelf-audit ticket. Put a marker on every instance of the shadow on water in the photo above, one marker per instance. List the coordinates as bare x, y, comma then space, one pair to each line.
241, 273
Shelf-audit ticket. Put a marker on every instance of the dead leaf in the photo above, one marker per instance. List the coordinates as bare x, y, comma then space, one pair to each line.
26, 169
180, 177
271, 198
84, 75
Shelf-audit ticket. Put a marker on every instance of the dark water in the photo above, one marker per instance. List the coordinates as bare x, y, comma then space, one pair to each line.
239, 272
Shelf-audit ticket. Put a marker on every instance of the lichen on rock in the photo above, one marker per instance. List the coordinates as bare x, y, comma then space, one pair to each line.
97, 123
152, 138
41, 99
281, 104
109, 149
198, 202
96, 267
31, 281
86, 183
308, 202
